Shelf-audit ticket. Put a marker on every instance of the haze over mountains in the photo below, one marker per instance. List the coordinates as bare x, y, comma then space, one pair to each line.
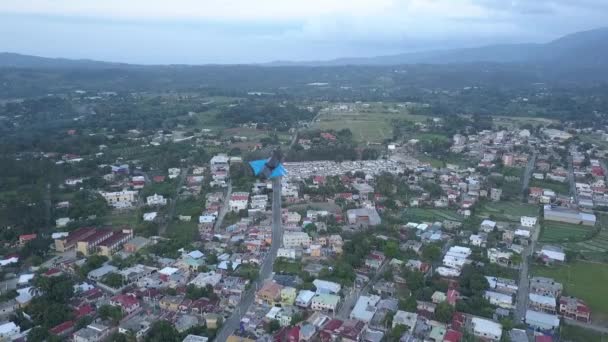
587, 48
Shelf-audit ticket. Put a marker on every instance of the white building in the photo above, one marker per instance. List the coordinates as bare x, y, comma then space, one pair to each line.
119, 199
486, 329
477, 240
447, 271
498, 256
296, 239
238, 201
259, 202
456, 257
528, 221
9, 331
365, 308
151, 216
287, 253
499, 299
408, 319
325, 302
206, 278
174, 172
156, 200
324, 286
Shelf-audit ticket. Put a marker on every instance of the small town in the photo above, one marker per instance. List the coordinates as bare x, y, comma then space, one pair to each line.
304, 171
401, 246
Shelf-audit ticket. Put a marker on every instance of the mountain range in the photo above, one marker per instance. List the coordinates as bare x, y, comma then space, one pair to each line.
586, 48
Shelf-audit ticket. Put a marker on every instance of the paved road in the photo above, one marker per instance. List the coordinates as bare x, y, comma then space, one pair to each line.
171, 212
351, 299
599, 328
572, 180
527, 175
224, 209
232, 323
521, 303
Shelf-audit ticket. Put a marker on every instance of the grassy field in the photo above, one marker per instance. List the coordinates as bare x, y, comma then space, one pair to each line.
595, 248
560, 188
509, 211
122, 218
433, 214
584, 280
371, 124
577, 334
183, 231
564, 232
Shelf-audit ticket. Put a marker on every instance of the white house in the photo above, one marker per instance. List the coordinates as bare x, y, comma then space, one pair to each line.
119, 199
553, 253
486, 329
325, 302
238, 201
9, 331
324, 286
156, 200
408, 319
488, 225
477, 240
174, 172
447, 271
499, 299
296, 239
287, 253
151, 216
528, 221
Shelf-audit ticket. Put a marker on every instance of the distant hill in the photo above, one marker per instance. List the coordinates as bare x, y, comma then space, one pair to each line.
581, 49
16, 60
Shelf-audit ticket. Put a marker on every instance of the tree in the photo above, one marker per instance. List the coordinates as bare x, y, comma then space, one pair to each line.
409, 304
114, 280
273, 326
398, 331
414, 280
431, 253
110, 312
162, 331
391, 249
444, 312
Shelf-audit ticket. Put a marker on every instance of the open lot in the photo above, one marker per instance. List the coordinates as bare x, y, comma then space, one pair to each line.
585, 280
432, 214
510, 211
560, 188
371, 124
595, 248
564, 232
118, 218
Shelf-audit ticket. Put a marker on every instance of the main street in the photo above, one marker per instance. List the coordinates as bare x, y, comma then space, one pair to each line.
171, 212
572, 180
521, 299
232, 323
528, 175
224, 209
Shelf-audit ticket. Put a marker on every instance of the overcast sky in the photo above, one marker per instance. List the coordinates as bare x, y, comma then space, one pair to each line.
245, 31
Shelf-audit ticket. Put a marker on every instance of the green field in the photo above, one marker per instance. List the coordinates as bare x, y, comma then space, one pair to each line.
119, 218
183, 231
560, 188
584, 280
564, 232
433, 214
595, 248
509, 211
372, 124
